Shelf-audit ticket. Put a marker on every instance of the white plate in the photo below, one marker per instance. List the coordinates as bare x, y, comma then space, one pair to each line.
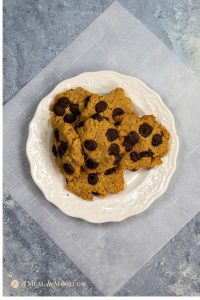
142, 188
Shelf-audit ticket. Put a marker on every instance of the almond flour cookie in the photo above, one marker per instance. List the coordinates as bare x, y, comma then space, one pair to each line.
109, 106
67, 150
88, 185
68, 105
144, 140
101, 145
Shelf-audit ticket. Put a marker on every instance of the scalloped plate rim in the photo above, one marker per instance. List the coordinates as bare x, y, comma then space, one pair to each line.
131, 213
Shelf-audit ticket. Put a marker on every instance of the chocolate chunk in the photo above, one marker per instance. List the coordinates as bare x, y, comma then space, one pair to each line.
93, 178
112, 134
54, 151
87, 99
97, 117
56, 134
156, 140
100, 106
109, 171
91, 164
69, 118
145, 129
135, 156
63, 146
118, 159
148, 153
90, 145
74, 108
117, 123
64, 102
128, 147
95, 193
58, 110
113, 149
117, 112
132, 138
62, 149
80, 124
68, 169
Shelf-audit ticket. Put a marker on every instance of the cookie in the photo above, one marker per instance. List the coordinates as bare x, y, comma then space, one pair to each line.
145, 141
101, 145
67, 106
67, 150
88, 185
109, 106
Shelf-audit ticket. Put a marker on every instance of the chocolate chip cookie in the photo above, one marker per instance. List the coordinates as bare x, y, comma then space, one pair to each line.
145, 141
96, 137
67, 150
110, 106
67, 106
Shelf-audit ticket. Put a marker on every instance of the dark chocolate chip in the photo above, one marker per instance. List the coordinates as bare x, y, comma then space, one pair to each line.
56, 134
113, 149
74, 108
100, 106
148, 153
117, 112
132, 138
128, 147
109, 171
93, 178
118, 159
135, 156
54, 151
112, 134
145, 129
80, 124
64, 102
87, 99
95, 193
63, 146
69, 118
68, 169
58, 110
97, 117
117, 123
91, 164
90, 145
156, 140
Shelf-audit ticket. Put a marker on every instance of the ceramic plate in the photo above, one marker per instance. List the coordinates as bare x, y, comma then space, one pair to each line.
142, 188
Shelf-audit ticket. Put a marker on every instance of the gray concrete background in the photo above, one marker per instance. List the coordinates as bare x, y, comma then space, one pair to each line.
34, 33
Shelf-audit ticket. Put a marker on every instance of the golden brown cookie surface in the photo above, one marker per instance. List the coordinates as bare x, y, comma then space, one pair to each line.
101, 144
109, 106
99, 184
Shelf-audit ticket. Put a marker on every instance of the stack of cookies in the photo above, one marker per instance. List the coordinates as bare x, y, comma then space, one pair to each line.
96, 137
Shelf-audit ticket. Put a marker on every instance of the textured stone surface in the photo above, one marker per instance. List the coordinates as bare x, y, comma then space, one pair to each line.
30, 255
34, 33
174, 271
